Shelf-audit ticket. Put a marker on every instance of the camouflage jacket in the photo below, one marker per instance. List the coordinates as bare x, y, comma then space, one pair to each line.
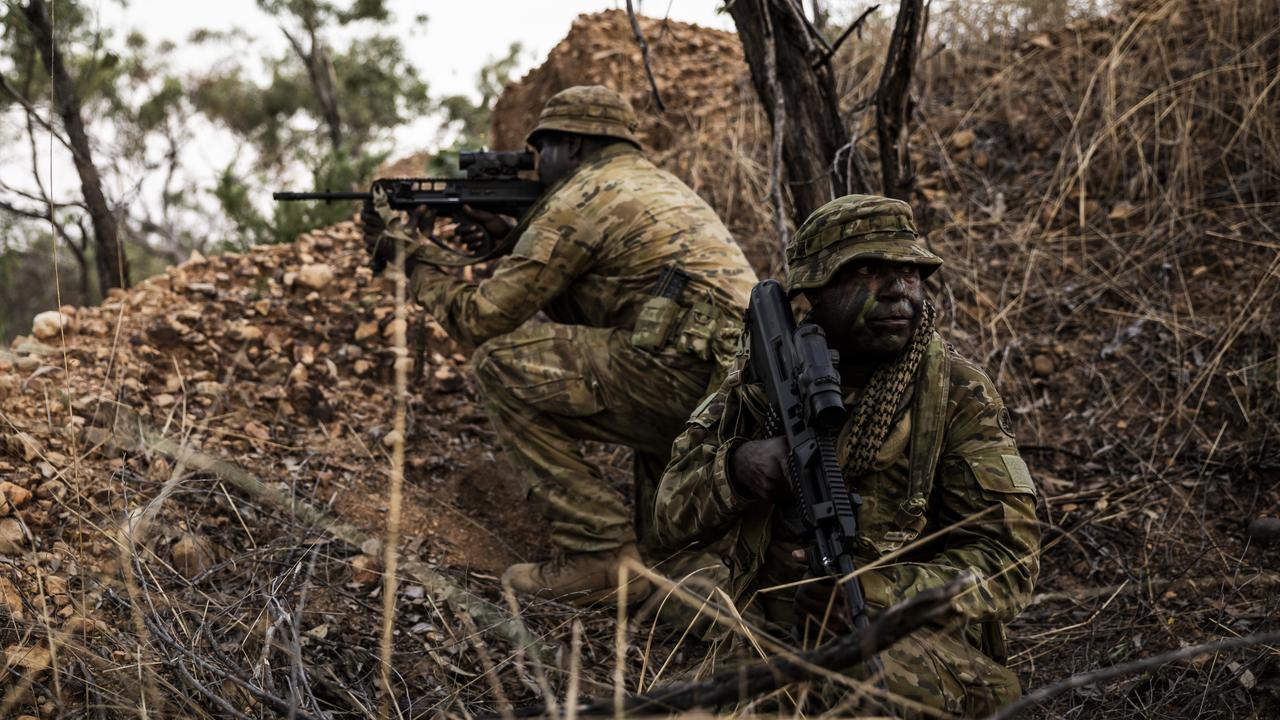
591, 252
948, 474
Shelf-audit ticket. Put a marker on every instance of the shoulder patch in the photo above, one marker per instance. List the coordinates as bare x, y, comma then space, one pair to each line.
1019, 475
1005, 421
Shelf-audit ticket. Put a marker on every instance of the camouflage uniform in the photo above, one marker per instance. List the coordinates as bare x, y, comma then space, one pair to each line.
950, 456
588, 258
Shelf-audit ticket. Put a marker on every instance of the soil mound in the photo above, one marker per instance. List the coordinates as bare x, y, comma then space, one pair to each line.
712, 133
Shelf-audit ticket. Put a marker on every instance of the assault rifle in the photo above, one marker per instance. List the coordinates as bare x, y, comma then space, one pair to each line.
799, 377
492, 183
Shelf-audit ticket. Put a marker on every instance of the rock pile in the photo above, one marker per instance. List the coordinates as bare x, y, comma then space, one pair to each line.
712, 134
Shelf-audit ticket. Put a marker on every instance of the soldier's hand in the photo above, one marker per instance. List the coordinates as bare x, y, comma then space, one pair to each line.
372, 227
758, 469
493, 223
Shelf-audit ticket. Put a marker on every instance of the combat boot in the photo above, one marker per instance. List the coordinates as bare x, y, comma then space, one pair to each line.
579, 578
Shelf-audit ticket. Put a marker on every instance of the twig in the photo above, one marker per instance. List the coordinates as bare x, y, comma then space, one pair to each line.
855, 26
396, 481
644, 53
1036, 697
1263, 578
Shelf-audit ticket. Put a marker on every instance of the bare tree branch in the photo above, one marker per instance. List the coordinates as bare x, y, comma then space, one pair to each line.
1094, 677
113, 269
644, 53
779, 130
893, 100
854, 27
814, 131
32, 112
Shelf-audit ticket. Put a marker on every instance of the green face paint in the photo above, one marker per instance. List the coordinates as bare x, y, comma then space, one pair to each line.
866, 302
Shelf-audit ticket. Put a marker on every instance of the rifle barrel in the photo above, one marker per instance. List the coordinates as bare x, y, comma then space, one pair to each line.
318, 195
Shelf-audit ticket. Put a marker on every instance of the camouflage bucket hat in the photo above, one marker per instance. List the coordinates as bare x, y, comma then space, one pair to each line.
854, 227
589, 110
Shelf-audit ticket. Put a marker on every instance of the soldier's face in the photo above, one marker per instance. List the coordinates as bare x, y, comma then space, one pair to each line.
558, 156
870, 309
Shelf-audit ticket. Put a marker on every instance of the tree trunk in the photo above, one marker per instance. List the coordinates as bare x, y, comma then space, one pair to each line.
323, 79
816, 143
893, 100
113, 269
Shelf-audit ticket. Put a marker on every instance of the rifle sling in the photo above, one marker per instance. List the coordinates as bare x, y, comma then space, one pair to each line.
928, 418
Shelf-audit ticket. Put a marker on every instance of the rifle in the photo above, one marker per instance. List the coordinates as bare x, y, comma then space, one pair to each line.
796, 368
492, 183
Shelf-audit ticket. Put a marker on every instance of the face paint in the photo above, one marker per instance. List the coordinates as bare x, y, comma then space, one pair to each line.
865, 302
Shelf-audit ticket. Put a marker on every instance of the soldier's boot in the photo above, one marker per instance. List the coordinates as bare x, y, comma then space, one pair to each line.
580, 578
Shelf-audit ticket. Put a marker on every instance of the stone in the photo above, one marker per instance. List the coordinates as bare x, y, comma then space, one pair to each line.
192, 555
13, 538
315, 276
364, 331
1042, 365
365, 570
395, 326
15, 495
51, 324
10, 598
81, 626
32, 658
390, 439
963, 139
247, 333
1265, 530
51, 490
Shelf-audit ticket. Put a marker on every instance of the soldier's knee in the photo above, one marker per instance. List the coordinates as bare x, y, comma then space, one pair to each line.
487, 359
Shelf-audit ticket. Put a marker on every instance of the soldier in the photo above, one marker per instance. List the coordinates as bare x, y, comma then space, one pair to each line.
644, 289
929, 446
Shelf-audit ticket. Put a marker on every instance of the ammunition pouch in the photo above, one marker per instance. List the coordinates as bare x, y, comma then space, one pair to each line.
663, 323
655, 323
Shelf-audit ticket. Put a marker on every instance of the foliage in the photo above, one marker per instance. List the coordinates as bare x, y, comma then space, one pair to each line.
288, 220
467, 119
320, 109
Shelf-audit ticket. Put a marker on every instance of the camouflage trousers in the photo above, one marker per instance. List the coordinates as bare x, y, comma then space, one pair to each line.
549, 386
939, 670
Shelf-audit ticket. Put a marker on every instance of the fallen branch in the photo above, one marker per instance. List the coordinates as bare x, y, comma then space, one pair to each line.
742, 683
131, 433
1261, 578
1036, 697
644, 54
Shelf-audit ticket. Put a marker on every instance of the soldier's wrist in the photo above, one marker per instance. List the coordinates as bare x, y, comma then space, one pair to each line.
730, 495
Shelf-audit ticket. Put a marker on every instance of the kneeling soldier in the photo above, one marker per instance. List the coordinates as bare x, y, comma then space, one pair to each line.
928, 445
644, 289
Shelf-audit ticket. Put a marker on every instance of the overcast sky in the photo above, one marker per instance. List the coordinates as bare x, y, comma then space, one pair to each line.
460, 36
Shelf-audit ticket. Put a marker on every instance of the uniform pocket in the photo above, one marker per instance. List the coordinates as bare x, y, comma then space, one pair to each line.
1001, 473
543, 367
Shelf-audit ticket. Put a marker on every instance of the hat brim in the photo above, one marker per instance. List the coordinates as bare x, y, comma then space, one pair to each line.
817, 272
582, 127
